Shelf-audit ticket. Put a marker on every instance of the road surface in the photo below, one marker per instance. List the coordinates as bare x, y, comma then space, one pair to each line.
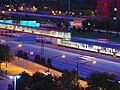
104, 64
43, 15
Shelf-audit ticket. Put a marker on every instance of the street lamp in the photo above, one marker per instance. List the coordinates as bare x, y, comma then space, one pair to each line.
93, 62
10, 8
62, 56
68, 15
18, 45
14, 77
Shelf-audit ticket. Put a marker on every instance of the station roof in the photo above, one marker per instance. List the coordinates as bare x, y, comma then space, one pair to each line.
99, 42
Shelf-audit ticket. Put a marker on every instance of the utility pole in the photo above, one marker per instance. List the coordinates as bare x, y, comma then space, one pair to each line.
10, 8
68, 15
77, 67
42, 45
6, 68
77, 76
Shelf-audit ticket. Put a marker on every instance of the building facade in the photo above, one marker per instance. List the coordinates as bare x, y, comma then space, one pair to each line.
108, 8
118, 8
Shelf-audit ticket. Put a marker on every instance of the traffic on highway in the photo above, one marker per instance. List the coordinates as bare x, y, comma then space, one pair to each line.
105, 64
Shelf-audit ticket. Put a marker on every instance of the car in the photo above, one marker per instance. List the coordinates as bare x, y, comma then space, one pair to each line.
86, 57
2, 41
46, 72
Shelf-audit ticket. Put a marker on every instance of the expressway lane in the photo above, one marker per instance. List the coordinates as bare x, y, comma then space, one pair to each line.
102, 65
44, 15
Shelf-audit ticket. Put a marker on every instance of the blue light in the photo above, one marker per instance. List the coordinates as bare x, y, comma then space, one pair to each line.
11, 77
18, 76
14, 76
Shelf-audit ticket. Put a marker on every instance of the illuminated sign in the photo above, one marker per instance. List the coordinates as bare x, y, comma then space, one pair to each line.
29, 23
76, 23
47, 24
6, 21
2, 21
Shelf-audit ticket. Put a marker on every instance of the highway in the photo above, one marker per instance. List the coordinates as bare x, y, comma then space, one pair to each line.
104, 64
43, 15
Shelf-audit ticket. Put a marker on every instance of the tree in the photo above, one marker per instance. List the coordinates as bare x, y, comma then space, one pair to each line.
25, 56
103, 81
5, 54
37, 58
23, 81
49, 62
20, 53
35, 82
39, 61
87, 13
69, 79
36, 78
44, 84
39, 81
117, 25
42, 61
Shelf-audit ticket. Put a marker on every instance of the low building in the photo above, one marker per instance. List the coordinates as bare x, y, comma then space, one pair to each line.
108, 8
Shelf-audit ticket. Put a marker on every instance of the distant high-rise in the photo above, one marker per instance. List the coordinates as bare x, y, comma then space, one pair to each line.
108, 8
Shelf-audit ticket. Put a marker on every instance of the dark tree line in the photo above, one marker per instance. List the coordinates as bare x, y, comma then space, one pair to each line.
108, 24
60, 4
42, 61
22, 54
68, 81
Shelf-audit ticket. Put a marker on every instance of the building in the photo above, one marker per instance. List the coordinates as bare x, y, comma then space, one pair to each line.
118, 8
108, 8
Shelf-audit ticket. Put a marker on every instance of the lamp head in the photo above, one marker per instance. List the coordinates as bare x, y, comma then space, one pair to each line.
18, 76
63, 56
94, 62
14, 76
19, 45
11, 76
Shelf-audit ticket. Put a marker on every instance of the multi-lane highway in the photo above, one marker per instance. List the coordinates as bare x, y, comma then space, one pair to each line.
43, 15
104, 63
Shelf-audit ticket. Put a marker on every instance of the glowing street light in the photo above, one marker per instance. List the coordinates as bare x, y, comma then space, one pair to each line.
94, 62
3, 12
84, 63
19, 44
14, 77
62, 56
68, 15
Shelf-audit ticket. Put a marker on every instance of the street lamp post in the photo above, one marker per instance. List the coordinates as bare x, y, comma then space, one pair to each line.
62, 56
68, 15
93, 62
10, 4
14, 78
10, 7
42, 44
18, 45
